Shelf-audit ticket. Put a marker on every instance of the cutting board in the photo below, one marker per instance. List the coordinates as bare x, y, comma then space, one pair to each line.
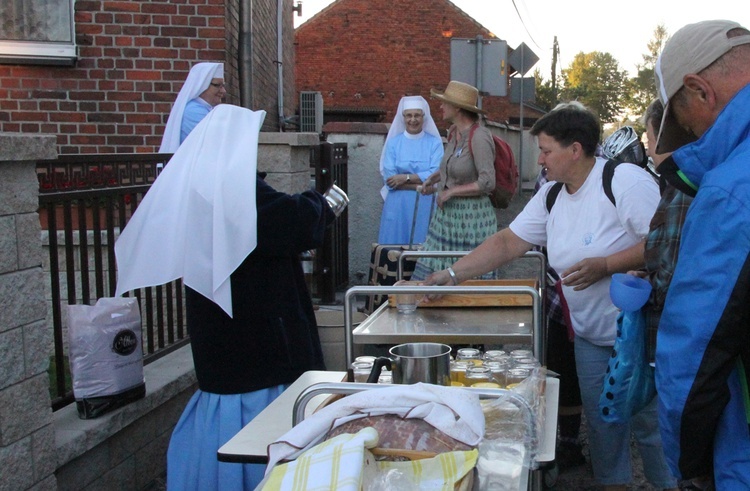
481, 299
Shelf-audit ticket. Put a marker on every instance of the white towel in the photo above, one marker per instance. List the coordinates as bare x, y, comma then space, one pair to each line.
455, 412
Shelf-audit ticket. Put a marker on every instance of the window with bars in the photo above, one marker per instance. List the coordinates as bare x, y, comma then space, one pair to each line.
37, 31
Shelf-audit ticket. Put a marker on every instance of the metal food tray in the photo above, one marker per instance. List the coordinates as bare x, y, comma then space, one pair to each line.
447, 325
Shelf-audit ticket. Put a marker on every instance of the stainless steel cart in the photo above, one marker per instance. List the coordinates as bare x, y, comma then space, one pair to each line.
450, 325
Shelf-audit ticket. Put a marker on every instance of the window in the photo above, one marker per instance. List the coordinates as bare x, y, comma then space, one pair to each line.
37, 31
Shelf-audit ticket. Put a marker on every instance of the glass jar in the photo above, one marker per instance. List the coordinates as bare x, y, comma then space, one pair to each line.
528, 361
515, 376
528, 366
469, 354
386, 377
495, 354
486, 385
521, 353
498, 370
458, 371
476, 374
361, 371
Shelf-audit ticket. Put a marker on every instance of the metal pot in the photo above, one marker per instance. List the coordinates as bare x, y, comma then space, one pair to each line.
416, 362
337, 199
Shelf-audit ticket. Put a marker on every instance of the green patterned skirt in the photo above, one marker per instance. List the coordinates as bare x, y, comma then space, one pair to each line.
461, 225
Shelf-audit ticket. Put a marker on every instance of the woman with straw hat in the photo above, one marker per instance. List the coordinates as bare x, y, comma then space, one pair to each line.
464, 217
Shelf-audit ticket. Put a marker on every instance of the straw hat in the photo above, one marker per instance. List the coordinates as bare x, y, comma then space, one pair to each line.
460, 95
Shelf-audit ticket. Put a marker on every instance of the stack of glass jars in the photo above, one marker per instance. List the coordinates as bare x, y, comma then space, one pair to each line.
493, 369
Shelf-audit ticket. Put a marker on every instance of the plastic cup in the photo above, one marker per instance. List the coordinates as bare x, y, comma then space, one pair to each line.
629, 292
406, 303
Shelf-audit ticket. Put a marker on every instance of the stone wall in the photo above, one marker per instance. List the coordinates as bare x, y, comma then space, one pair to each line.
27, 436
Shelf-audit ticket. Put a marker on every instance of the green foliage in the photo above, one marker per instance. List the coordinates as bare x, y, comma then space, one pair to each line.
546, 94
596, 80
641, 89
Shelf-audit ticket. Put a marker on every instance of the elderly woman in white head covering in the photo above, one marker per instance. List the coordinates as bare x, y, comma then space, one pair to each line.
203, 90
412, 152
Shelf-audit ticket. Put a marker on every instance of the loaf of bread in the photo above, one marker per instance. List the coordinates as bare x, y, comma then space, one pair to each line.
404, 434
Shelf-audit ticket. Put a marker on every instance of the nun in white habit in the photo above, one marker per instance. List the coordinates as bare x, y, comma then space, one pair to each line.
236, 243
412, 152
203, 90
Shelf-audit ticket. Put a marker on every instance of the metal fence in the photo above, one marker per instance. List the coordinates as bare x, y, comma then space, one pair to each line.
331, 265
84, 203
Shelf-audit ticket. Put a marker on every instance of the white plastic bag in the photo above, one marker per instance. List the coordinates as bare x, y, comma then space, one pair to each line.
106, 355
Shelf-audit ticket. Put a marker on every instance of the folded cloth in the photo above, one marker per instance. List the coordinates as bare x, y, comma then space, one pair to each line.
455, 412
336, 464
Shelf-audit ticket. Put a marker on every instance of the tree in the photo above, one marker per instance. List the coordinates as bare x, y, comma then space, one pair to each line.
641, 89
596, 80
546, 96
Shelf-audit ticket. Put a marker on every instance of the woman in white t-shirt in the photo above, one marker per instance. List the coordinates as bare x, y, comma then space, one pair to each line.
588, 238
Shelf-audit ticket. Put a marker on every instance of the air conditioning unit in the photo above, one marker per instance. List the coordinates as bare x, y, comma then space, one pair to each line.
311, 112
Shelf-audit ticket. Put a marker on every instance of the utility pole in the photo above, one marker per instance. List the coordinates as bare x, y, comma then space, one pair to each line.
555, 54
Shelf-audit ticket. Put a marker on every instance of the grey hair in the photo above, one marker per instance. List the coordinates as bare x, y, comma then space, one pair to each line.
571, 105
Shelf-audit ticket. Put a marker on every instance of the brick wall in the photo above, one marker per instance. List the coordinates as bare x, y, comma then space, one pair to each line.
369, 53
133, 58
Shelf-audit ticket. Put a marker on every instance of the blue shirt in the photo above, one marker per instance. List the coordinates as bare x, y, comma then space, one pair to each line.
195, 111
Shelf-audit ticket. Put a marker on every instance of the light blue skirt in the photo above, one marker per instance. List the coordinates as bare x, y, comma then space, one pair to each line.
207, 423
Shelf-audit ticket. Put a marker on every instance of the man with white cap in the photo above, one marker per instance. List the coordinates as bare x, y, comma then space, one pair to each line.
703, 341
203, 90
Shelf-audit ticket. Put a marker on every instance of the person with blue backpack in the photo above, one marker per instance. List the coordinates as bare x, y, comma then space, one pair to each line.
588, 238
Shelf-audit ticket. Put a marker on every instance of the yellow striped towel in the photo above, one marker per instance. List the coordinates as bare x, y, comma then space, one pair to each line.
336, 464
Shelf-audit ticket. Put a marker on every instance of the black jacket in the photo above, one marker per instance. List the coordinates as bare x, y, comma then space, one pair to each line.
273, 337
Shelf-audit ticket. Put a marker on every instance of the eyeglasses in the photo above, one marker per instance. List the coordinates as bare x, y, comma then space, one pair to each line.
218, 86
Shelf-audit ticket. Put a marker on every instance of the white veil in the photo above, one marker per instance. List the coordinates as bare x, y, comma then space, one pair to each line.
398, 126
199, 219
197, 81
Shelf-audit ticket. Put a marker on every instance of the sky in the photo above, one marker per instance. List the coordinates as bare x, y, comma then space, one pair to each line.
622, 29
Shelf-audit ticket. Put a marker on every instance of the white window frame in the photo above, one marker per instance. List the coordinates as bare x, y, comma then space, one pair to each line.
41, 52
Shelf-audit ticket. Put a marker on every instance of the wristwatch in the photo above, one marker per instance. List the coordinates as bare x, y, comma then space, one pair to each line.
408, 178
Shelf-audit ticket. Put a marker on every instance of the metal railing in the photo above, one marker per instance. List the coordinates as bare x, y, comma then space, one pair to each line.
84, 203
331, 266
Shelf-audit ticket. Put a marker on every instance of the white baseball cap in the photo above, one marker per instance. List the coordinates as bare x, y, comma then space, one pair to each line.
690, 50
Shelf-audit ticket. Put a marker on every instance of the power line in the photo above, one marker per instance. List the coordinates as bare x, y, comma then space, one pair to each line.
524, 25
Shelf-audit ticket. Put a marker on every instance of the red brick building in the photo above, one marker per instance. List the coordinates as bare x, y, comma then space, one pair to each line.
130, 58
364, 55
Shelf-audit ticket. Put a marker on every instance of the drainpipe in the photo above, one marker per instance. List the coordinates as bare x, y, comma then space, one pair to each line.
280, 60
246, 54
